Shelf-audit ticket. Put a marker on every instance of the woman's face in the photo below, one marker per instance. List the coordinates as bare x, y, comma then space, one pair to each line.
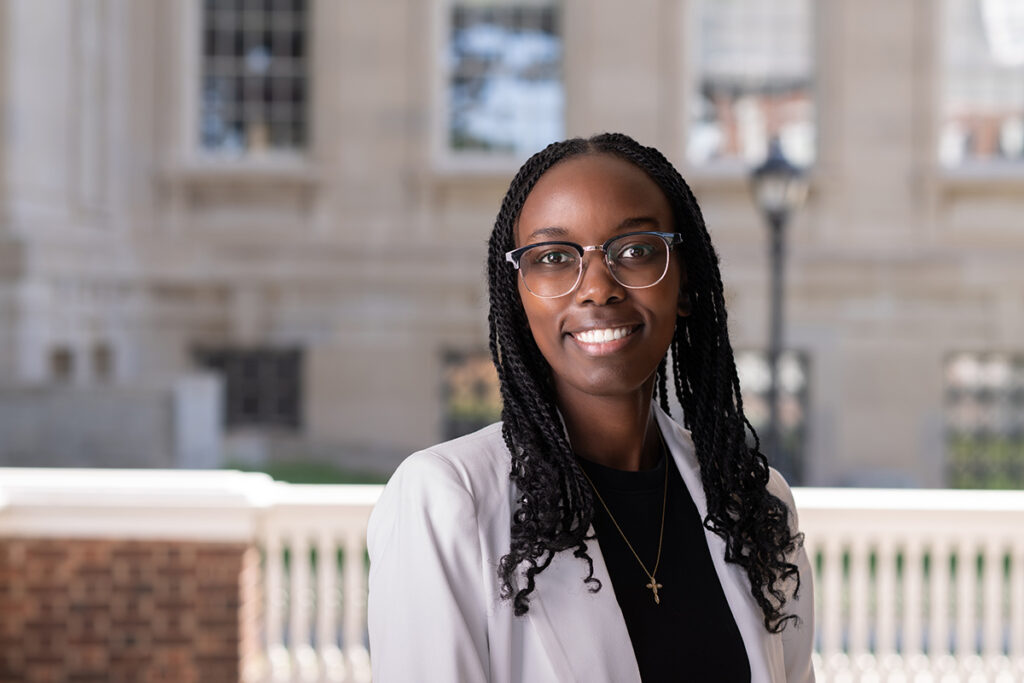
588, 199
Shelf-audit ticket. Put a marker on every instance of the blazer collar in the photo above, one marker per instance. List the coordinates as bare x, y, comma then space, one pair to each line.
585, 635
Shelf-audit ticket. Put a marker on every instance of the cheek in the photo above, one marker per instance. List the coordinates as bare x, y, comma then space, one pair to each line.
677, 271
542, 320
665, 308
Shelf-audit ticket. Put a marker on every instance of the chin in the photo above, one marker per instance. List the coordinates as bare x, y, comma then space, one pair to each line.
611, 384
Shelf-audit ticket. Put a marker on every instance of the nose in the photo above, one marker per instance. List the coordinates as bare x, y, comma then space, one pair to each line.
596, 282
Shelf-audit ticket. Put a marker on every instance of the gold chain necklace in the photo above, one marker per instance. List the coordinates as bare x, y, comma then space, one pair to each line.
653, 584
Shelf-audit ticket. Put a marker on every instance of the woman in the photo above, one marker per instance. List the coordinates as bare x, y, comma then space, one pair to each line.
588, 536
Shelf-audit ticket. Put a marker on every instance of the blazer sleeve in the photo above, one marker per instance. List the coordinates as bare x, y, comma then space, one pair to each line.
426, 609
797, 638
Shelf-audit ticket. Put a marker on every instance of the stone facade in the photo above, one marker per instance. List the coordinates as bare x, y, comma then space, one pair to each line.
367, 252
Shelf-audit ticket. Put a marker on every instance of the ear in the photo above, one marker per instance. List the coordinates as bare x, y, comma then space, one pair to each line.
684, 307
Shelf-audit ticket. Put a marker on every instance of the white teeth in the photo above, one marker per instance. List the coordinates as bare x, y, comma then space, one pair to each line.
599, 336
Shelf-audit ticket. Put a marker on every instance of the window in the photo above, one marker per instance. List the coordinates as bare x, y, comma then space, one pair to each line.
755, 379
470, 391
262, 387
62, 364
254, 94
982, 115
753, 68
503, 91
103, 362
985, 420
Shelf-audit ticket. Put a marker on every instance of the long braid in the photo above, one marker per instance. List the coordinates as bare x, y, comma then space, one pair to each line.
554, 506
661, 386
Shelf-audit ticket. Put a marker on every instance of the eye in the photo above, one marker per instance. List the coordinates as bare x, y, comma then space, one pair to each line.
554, 257
636, 250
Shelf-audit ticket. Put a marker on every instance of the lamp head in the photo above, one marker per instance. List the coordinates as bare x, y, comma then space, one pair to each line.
778, 186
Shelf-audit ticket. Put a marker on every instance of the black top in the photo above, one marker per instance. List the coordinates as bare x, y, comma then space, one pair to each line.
691, 635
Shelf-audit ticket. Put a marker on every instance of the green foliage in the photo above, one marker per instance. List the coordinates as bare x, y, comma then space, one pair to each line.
978, 461
311, 472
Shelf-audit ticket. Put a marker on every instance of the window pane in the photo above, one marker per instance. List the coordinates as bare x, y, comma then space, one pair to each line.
985, 420
262, 387
505, 77
470, 391
754, 373
253, 76
983, 94
754, 67
103, 361
62, 364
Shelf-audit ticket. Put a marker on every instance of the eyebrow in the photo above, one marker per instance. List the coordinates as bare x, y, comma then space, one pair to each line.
558, 232
637, 222
550, 231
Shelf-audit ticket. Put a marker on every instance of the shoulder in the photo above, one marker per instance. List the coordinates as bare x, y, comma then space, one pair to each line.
779, 487
797, 638
466, 458
446, 483
474, 460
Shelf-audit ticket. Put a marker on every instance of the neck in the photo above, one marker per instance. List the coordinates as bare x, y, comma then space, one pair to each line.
614, 431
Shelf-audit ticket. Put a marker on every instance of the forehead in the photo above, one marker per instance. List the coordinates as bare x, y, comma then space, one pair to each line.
589, 196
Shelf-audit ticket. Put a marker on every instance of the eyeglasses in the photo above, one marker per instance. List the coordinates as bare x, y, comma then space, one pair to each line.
636, 260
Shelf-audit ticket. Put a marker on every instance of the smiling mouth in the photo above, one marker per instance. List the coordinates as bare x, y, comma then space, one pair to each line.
604, 335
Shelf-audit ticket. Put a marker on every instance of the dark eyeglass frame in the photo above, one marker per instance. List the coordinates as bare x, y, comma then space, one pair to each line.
671, 239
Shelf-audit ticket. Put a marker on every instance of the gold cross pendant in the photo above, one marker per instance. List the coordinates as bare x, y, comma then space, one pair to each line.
654, 586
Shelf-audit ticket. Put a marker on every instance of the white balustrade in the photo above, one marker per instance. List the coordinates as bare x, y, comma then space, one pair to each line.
886, 597
898, 596
273, 586
324, 532
829, 591
938, 641
331, 657
912, 592
1017, 601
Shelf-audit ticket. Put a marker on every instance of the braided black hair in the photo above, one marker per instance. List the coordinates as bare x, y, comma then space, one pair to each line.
554, 508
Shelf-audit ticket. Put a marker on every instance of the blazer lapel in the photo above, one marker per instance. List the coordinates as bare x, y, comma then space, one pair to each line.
583, 633
766, 662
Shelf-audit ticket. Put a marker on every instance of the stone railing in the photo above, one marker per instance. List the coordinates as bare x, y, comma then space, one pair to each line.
911, 585
917, 585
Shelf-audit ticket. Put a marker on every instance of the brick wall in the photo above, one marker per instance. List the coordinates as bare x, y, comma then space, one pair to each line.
131, 611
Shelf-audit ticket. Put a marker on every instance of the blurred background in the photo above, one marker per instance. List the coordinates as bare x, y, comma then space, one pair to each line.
251, 233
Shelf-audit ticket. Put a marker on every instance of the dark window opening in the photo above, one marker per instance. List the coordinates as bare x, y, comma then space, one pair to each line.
262, 387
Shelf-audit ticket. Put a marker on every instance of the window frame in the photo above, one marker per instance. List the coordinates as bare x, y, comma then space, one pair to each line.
444, 159
973, 173
971, 179
194, 159
796, 464
737, 171
265, 358
468, 360
978, 434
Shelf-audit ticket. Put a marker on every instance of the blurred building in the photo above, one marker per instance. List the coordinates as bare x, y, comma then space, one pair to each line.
292, 198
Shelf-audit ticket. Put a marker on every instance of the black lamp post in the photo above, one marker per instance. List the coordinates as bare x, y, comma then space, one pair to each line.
779, 189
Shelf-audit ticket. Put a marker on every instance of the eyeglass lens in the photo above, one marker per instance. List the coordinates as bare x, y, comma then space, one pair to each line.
635, 261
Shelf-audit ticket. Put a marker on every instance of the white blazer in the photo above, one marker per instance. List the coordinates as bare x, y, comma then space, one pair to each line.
435, 538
